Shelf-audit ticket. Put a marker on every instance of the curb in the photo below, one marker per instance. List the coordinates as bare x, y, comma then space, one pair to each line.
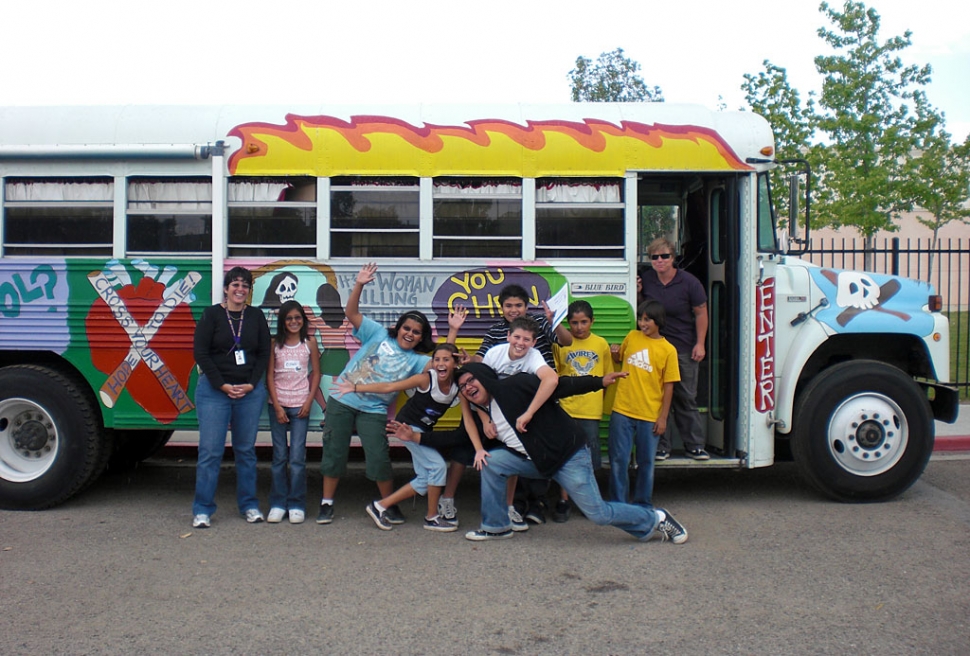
949, 443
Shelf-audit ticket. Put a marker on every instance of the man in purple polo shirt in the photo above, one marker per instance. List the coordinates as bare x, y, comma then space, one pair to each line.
685, 303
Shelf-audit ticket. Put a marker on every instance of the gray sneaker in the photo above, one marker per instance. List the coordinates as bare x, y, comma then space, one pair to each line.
446, 509
518, 524
253, 516
201, 521
671, 528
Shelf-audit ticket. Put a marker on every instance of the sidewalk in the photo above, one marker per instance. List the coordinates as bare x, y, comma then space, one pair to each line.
955, 436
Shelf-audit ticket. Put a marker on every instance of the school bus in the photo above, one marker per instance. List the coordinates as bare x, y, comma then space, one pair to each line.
117, 223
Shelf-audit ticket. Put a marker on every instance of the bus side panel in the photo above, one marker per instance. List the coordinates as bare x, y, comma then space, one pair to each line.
126, 326
435, 288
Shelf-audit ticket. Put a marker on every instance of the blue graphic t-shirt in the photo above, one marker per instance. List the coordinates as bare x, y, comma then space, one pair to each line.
379, 360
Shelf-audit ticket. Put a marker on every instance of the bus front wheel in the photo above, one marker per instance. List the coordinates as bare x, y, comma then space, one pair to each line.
50, 438
863, 431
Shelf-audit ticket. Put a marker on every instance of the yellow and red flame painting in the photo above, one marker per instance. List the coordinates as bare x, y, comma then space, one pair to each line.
380, 145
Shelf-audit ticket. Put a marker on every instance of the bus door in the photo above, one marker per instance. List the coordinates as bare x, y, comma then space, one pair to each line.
720, 198
696, 213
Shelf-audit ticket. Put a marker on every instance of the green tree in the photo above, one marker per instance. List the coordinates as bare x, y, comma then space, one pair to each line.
866, 119
938, 174
613, 78
769, 93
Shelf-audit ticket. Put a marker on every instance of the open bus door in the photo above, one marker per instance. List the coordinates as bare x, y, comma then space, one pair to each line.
699, 215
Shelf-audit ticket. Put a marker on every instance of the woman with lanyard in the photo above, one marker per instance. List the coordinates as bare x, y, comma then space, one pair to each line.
232, 348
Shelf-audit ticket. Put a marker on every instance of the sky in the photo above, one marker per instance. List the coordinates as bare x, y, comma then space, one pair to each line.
107, 52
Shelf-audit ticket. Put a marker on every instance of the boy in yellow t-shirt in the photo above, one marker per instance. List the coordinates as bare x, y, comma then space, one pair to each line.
642, 403
588, 355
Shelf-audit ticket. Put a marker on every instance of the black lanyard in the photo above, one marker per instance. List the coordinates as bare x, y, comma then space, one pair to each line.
236, 336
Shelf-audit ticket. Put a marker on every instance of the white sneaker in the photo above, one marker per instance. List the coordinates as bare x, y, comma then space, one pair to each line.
253, 516
201, 521
275, 516
297, 516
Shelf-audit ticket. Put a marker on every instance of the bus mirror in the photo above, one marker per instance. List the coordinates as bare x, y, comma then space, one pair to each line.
793, 194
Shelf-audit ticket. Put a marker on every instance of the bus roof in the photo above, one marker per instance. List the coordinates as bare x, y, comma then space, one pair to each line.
576, 139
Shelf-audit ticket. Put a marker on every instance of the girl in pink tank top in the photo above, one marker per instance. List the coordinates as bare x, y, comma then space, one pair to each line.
293, 379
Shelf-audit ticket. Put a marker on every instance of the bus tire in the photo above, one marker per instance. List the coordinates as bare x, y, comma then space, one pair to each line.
133, 446
863, 432
51, 443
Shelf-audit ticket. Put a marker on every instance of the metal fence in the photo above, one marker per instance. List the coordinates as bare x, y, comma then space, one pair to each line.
943, 263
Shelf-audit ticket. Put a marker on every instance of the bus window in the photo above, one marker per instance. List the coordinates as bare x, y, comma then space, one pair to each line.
719, 226
657, 221
58, 216
766, 224
477, 217
169, 215
579, 218
263, 221
374, 217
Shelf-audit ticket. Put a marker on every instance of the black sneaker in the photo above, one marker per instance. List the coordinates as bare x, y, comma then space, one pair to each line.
480, 535
394, 514
698, 454
326, 513
671, 528
661, 455
379, 517
560, 514
535, 515
439, 524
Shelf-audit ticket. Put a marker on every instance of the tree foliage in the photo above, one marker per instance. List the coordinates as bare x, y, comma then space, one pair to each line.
613, 78
866, 117
769, 93
939, 179
875, 143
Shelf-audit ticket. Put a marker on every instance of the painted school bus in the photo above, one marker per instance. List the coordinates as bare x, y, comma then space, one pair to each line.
117, 223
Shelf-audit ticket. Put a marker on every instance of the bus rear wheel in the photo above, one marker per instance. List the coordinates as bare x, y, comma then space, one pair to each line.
51, 442
863, 432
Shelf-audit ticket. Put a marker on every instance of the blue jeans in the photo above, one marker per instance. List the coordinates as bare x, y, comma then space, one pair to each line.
576, 477
291, 495
624, 432
591, 428
216, 413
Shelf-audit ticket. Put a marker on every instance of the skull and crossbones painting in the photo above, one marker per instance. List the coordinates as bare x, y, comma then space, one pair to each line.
857, 293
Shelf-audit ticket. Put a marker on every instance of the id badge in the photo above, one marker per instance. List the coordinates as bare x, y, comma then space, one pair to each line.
240, 357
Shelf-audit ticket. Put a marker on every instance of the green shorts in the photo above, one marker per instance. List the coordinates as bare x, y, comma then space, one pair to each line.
372, 430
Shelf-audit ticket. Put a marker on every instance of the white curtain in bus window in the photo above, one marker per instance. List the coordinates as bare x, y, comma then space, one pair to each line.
579, 217
169, 215
272, 217
58, 216
477, 217
374, 217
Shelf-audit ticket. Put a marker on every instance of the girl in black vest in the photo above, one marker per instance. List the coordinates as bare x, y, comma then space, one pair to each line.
433, 392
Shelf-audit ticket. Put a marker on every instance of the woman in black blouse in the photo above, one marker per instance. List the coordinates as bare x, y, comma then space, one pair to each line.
232, 349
